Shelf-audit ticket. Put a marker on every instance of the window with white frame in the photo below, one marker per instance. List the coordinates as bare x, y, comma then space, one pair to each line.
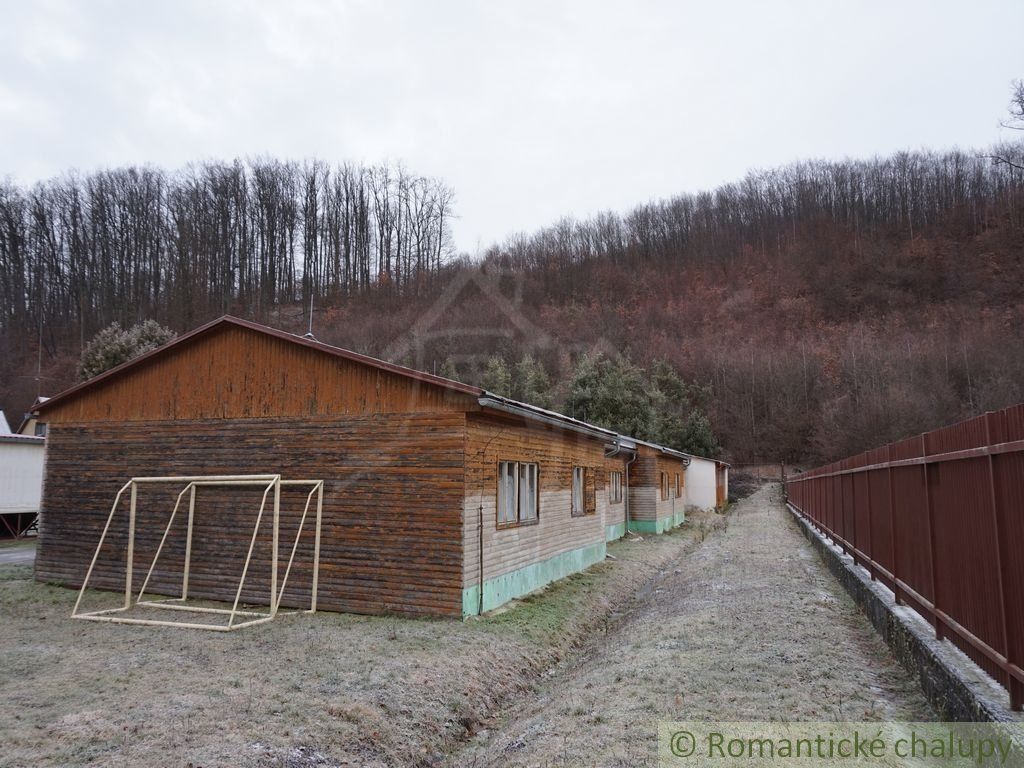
518, 493
664, 486
679, 486
614, 487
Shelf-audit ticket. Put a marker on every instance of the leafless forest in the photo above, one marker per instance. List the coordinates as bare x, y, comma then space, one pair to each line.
81, 251
829, 305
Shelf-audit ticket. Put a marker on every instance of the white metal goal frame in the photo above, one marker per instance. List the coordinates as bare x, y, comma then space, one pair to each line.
271, 484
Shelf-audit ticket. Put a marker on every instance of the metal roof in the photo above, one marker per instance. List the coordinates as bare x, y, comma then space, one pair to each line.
26, 439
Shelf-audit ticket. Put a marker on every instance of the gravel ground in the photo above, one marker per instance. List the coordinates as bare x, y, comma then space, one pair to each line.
323, 690
18, 553
750, 626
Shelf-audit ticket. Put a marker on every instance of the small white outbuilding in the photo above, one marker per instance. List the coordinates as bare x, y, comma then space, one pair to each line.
707, 483
21, 482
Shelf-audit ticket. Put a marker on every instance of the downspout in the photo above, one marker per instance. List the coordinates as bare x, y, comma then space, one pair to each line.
482, 453
686, 463
687, 459
611, 452
626, 497
480, 576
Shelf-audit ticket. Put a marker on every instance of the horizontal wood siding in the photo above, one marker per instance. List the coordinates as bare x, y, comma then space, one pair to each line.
237, 373
643, 487
615, 514
557, 531
670, 506
645, 499
392, 530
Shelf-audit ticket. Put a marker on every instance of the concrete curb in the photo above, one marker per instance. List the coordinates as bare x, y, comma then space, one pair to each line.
954, 685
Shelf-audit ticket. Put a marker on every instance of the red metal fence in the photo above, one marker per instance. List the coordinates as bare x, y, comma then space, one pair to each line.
939, 519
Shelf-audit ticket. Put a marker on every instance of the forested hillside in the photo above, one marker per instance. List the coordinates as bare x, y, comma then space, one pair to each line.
825, 306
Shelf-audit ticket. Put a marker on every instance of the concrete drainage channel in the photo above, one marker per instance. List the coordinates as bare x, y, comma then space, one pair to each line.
954, 685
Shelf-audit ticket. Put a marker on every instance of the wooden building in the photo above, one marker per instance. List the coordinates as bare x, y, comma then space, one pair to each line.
440, 498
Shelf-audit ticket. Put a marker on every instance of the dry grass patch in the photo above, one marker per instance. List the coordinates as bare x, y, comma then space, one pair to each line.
324, 690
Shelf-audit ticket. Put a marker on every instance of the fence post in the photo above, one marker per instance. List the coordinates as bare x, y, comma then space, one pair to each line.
833, 517
844, 537
936, 623
818, 506
871, 546
819, 491
830, 505
896, 591
1013, 685
853, 509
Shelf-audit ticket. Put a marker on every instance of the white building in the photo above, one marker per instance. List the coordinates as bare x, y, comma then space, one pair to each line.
21, 482
706, 483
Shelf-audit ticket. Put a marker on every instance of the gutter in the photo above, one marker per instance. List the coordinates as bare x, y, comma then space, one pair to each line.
504, 404
23, 439
686, 458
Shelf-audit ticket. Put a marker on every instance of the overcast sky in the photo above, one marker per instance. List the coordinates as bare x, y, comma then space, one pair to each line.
531, 111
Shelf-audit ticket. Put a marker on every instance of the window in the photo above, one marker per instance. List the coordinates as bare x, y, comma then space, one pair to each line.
614, 487
518, 493
584, 492
528, 493
579, 482
664, 486
679, 486
40, 429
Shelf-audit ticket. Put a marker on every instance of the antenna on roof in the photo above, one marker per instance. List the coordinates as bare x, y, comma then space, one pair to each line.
309, 333
39, 357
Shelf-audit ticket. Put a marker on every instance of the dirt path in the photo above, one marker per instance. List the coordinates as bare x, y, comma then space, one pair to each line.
750, 626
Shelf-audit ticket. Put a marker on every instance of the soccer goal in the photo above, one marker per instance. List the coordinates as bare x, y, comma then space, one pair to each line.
237, 619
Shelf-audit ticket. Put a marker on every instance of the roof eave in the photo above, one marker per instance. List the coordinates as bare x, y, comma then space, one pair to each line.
26, 439
553, 418
491, 401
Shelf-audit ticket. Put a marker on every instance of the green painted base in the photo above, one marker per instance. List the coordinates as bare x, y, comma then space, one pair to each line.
503, 588
613, 532
471, 601
660, 525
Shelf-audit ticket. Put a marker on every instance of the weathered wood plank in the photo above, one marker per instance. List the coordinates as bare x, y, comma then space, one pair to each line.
393, 500
236, 372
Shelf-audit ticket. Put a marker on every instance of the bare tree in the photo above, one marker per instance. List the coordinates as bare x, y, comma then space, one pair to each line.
1015, 123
